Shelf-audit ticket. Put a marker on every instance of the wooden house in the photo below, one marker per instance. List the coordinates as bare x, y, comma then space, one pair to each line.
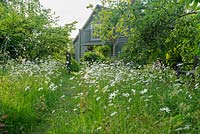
87, 37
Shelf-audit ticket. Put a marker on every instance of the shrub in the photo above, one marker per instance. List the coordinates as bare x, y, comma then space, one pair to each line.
75, 65
103, 50
92, 56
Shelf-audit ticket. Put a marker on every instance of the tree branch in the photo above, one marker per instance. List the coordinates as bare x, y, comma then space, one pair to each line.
189, 13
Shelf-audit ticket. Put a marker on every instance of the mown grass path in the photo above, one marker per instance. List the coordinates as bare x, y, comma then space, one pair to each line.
61, 110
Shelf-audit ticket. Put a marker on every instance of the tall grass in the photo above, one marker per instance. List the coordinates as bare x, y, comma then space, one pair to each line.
101, 98
27, 94
118, 99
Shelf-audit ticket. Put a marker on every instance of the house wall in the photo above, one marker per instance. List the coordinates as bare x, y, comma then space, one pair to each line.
83, 50
77, 51
84, 39
120, 42
81, 46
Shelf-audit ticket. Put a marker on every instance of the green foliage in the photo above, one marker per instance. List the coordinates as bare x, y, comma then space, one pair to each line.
184, 38
29, 31
162, 28
129, 101
75, 66
191, 3
112, 22
99, 53
117, 99
27, 94
92, 57
103, 50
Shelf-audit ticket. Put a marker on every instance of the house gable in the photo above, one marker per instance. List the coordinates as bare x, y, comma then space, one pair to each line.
88, 23
85, 40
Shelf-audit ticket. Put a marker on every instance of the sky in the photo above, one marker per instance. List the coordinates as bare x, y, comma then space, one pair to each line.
70, 10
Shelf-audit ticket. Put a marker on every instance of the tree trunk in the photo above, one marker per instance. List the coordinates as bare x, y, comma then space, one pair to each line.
114, 48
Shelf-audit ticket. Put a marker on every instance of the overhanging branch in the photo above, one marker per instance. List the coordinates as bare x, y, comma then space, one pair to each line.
189, 13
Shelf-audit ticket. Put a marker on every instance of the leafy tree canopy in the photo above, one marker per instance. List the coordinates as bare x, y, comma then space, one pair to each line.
113, 19
27, 30
163, 29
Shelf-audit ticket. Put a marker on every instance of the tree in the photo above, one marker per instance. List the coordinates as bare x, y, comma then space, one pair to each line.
192, 3
185, 38
112, 19
155, 21
27, 30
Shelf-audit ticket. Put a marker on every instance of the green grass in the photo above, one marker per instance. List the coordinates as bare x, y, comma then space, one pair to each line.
101, 99
63, 103
28, 92
116, 99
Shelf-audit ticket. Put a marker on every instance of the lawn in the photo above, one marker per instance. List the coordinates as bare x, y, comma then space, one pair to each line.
101, 98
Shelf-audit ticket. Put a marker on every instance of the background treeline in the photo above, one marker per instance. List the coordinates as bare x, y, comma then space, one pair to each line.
167, 29
29, 31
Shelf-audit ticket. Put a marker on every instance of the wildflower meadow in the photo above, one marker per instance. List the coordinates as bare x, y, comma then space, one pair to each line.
101, 98
119, 99
113, 98
133, 67
26, 94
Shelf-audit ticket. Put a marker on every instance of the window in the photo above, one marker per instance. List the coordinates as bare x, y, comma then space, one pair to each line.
95, 32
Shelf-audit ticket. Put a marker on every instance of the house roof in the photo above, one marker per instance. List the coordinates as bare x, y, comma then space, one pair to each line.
97, 8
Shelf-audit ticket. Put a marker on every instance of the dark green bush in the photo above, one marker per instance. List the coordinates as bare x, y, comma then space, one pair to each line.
92, 56
75, 66
103, 50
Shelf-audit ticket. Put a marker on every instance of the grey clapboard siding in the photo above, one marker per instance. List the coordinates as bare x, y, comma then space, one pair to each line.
122, 39
83, 39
